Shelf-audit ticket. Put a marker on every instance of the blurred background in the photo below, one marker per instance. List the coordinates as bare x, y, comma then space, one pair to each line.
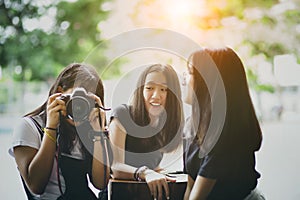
39, 38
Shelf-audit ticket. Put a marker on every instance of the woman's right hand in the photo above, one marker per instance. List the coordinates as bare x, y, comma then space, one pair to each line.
55, 106
157, 184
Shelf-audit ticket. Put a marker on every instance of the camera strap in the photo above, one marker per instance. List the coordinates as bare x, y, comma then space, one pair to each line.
104, 151
105, 146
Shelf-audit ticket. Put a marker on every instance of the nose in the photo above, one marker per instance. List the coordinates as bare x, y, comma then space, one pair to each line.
156, 93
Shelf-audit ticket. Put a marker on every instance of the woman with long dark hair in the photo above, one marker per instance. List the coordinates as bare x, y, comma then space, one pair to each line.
147, 128
223, 133
61, 142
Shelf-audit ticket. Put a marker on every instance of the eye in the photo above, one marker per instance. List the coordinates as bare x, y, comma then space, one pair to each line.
164, 89
148, 88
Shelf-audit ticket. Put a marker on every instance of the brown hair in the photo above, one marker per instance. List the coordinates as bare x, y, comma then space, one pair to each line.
75, 75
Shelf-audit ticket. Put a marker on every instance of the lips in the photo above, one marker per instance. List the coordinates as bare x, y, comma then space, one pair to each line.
155, 104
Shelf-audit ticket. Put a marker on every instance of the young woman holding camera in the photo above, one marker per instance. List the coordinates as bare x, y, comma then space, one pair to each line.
55, 149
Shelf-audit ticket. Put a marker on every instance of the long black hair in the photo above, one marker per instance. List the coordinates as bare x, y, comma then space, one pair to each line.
172, 129
241, 127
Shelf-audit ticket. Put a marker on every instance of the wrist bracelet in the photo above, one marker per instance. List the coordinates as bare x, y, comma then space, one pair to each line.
138, 172
135, 173
49, 136
100, 133
52, 129
96, 139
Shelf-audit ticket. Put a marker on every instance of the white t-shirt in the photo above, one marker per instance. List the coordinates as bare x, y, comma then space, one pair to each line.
27, 134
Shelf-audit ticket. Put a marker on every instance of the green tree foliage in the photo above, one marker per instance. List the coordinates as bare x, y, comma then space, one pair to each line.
271, 29
253, 82
37, 39
82, 35
220, 9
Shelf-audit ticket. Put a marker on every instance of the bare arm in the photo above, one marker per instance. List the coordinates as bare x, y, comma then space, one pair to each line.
100, 170
35, 166
118, 136
189, 188
98, 166
157, 183
201, 188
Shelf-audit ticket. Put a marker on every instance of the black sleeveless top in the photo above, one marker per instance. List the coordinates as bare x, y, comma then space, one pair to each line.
141, 146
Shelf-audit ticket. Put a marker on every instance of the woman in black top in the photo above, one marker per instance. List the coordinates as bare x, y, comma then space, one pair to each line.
150, 126
223, 133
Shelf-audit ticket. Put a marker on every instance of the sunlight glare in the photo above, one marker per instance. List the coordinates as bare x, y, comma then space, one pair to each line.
183, 11
179, 9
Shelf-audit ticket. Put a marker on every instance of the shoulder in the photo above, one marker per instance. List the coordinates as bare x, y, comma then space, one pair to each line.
25, 124
25, 133
120, 110
120, 116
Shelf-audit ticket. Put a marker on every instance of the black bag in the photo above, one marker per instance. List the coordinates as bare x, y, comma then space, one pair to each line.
103, 194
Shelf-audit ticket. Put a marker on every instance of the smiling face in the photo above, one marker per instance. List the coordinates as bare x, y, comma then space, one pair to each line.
155, 93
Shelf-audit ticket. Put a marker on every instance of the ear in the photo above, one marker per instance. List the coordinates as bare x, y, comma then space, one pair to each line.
60, 89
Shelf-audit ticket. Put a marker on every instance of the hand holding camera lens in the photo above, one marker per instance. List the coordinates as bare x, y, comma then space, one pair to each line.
97, 113
54, 107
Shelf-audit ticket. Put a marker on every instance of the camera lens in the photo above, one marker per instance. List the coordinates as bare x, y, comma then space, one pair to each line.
78, 108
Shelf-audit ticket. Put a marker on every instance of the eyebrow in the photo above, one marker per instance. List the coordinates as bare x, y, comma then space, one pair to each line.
152, 82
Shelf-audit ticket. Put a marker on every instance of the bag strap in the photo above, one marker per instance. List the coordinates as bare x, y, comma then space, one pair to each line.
28, 193
38, 126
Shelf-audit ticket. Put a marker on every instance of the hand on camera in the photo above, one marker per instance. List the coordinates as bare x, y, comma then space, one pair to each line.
94, 115
55, 106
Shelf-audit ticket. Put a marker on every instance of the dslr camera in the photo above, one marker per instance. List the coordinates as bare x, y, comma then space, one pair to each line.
78, 104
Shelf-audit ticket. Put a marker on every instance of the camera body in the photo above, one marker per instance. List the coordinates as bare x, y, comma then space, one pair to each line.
78, 104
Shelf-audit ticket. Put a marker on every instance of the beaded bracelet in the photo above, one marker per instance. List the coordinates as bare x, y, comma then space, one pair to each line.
135, 173
96, 139
138, 172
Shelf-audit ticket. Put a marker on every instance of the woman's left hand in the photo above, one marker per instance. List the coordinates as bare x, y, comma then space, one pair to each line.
157, 184
94, 115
